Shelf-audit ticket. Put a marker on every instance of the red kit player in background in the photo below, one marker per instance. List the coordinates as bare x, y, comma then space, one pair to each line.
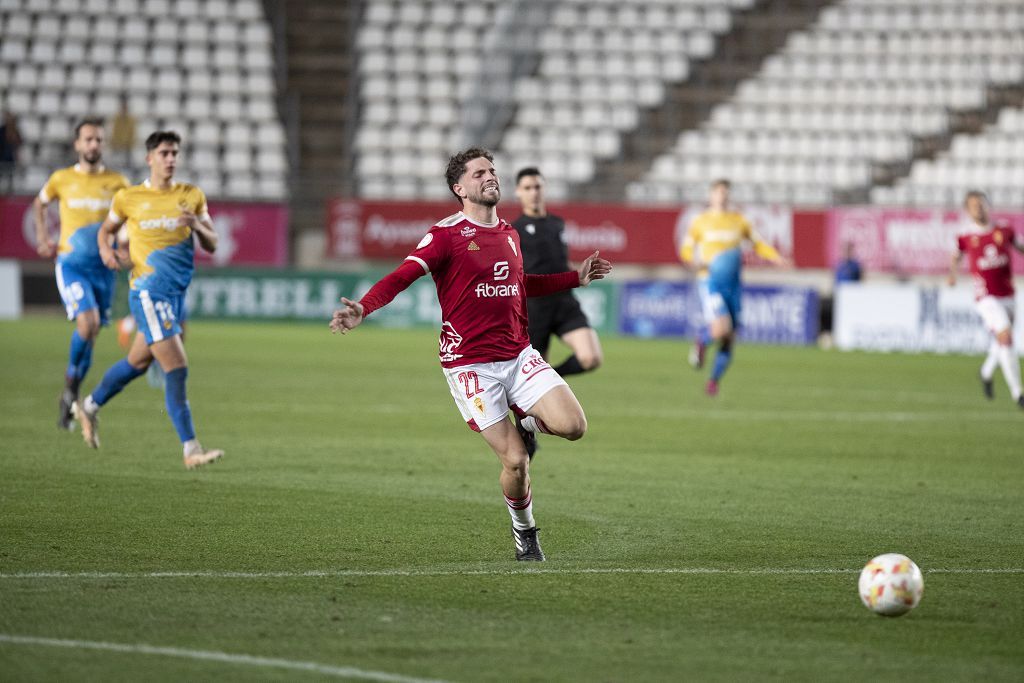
477, 266
987, 248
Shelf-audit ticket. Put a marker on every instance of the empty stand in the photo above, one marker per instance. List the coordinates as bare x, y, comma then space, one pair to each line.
851, 95
202, 67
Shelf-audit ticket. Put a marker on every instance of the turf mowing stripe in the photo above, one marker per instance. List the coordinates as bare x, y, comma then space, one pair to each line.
330, 573
213, 656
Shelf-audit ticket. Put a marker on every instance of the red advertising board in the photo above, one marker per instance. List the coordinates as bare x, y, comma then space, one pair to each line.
911, 241
623, 234
250, 234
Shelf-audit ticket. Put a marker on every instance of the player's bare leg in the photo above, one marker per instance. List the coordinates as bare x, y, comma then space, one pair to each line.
504, 440
170, 353
586, 352
87, 328
557, 413
723, 333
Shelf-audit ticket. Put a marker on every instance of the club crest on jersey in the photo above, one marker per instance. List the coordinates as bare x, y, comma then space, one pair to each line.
472, 246
531, 229
448, 342
997, 237
468, 231
513, 245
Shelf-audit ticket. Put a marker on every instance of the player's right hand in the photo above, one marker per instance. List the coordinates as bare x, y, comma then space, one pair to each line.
109, 258
46, 248
348, 317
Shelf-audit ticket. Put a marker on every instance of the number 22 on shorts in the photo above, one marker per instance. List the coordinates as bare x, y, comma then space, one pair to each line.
471, 383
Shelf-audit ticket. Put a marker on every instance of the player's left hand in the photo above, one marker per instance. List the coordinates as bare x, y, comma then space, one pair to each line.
594, 268
187, 219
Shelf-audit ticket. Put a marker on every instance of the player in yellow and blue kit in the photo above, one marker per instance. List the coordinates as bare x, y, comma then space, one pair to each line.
83, 192
713, 244
163, 218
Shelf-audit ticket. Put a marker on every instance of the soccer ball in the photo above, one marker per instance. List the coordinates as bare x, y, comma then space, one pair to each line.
126, 332
891, 585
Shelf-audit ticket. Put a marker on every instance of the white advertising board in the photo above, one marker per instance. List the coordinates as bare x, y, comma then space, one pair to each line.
10, 289
913, 318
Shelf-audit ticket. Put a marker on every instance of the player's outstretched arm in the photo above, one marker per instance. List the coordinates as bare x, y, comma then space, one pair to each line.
348, 317
594, 268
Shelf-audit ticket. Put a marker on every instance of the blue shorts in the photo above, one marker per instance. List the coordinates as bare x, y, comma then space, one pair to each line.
84, 290
720, 301
157, 315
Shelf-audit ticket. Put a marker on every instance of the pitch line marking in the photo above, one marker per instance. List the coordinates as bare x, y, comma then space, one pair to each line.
342, 573
214, 656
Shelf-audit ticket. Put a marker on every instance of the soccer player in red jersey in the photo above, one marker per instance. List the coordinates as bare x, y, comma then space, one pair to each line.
987, 247
477, 265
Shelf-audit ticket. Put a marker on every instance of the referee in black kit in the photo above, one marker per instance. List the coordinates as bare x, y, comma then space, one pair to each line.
546, 250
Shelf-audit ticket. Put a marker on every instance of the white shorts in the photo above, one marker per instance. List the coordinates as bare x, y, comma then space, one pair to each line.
996, 312
484, 392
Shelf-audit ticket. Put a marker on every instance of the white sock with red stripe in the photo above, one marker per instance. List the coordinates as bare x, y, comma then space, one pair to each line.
1010, 364
532, 424
988, 368
521, 510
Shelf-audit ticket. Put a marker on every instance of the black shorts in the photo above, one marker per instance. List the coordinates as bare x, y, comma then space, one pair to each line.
555, 314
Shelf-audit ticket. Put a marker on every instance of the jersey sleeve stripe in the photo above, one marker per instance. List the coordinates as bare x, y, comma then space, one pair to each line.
454, 219
417, 259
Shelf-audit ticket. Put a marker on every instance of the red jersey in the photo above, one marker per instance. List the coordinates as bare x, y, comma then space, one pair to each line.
988, 258
481, 286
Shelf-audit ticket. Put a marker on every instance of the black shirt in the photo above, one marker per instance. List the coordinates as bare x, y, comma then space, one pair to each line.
545, 249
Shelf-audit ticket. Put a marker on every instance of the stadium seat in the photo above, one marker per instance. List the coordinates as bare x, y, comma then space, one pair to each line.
63, 59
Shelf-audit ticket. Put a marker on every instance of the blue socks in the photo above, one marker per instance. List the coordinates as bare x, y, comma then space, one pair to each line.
177, 404
117, 378
722, 360
79, 359
123, 372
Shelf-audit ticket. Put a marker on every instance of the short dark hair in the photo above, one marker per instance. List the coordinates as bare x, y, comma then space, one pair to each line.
975, 193
528, 171
90, 121
723, 182
457, 165
161, 136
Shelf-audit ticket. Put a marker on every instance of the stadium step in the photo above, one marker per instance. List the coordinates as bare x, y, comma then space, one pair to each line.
756, 33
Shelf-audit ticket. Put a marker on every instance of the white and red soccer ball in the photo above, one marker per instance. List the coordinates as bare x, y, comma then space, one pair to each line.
891, 585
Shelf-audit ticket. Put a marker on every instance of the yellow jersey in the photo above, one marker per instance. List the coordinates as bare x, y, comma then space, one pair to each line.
84, 199
722, 233
161, 251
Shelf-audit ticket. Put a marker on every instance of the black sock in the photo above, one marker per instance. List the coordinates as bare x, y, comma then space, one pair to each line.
571, 366
72, 383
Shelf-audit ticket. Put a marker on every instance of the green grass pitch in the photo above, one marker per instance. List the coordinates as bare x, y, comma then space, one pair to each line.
347, 456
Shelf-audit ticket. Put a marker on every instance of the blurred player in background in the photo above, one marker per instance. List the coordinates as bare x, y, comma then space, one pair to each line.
84, 192
546, 251
713, 245
163, 219
477, 266
987, 248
